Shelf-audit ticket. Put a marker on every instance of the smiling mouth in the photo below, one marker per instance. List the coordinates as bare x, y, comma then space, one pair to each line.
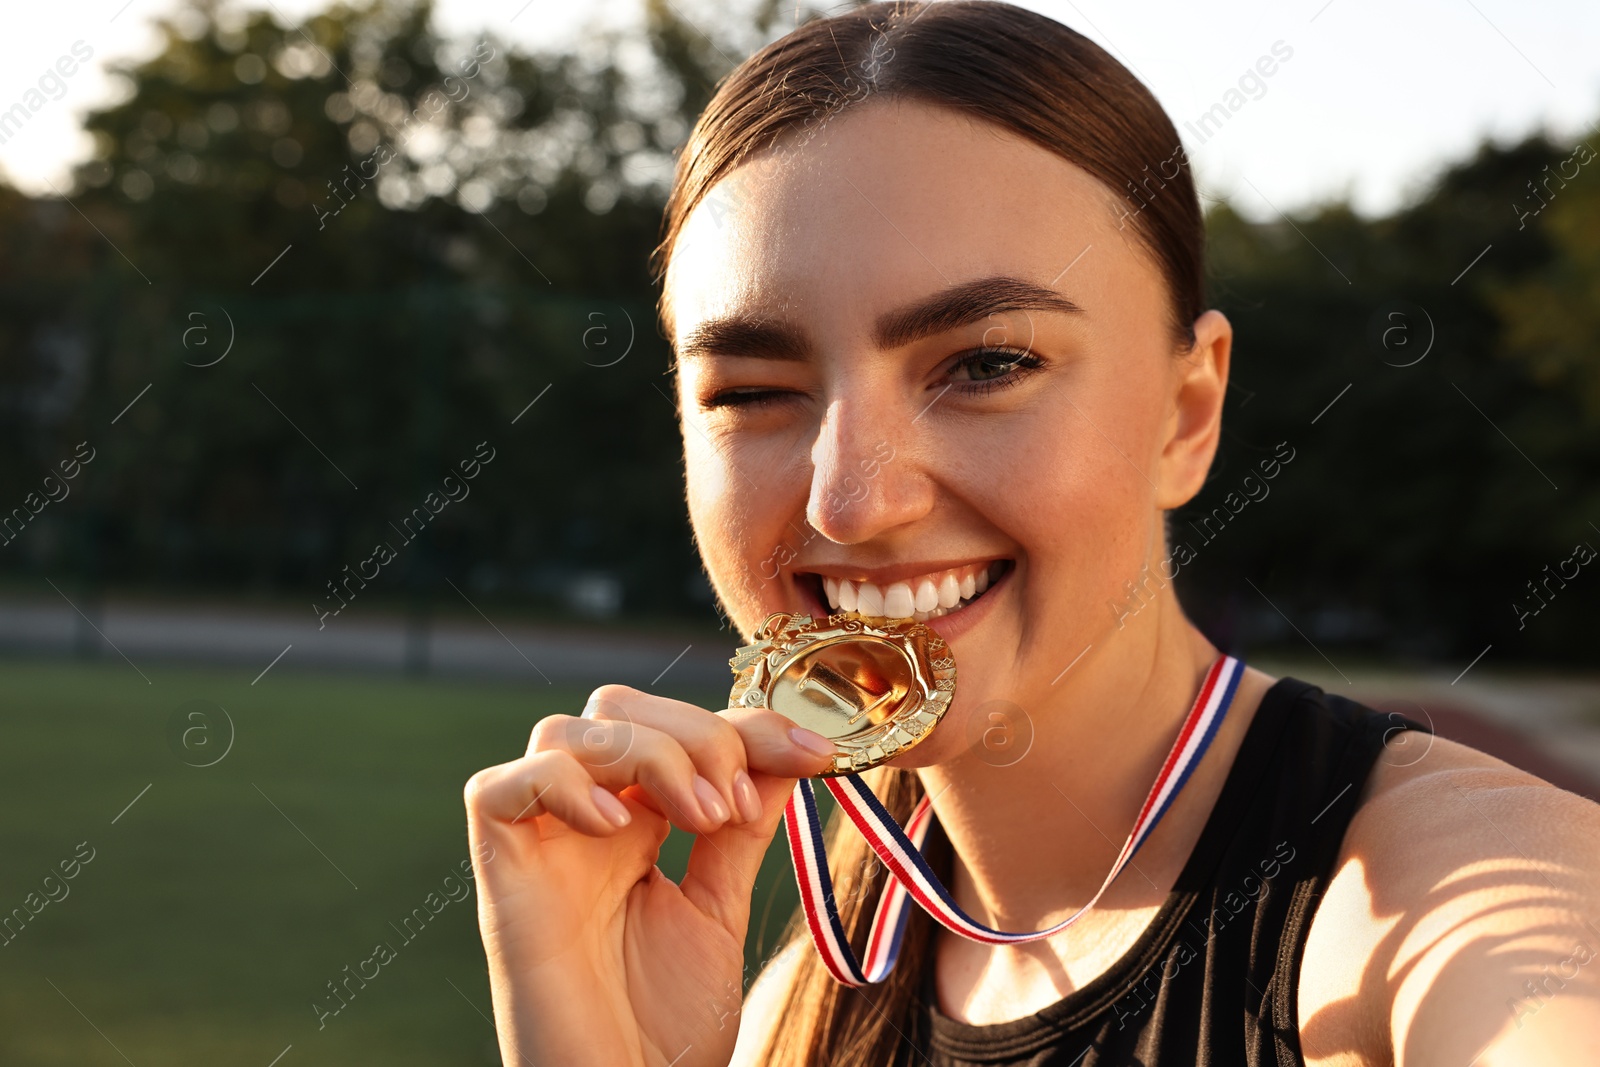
923, 597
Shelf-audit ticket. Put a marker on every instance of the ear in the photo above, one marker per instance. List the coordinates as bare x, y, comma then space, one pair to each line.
1198, 382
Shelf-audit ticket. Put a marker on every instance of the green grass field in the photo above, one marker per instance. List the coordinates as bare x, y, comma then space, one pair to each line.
206, 924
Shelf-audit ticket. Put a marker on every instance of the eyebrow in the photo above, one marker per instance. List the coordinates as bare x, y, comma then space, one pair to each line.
755, 337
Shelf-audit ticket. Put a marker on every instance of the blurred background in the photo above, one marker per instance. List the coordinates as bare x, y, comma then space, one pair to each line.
282, 282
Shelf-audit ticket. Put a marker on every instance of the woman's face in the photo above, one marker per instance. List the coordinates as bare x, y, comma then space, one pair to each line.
917, 354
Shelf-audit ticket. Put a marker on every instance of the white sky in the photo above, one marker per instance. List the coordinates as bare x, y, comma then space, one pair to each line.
1378, 94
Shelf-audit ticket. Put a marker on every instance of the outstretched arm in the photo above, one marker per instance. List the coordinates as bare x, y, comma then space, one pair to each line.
1474, 889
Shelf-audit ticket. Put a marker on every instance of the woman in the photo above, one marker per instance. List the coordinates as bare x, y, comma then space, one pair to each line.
933, 276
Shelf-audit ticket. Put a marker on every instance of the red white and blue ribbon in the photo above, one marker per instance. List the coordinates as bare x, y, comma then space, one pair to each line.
912, 879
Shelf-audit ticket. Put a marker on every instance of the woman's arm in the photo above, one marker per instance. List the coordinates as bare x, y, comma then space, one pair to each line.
1463, 925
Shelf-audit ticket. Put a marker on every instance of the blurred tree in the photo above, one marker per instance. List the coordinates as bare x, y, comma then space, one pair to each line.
406, 241
1552, 316
1406, 519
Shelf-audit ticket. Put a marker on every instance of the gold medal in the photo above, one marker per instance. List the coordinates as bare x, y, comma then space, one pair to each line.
873, 687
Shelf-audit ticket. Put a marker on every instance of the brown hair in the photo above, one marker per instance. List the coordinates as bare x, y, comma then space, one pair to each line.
1025, 73
1020, 70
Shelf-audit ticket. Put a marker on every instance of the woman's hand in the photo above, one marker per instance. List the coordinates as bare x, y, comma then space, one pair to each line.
595, 957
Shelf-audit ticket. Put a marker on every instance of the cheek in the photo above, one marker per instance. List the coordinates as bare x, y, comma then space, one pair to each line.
1070, 497
740, 505
715, 507
708, 477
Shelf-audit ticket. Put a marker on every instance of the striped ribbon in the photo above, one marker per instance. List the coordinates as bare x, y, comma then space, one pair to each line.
912, 879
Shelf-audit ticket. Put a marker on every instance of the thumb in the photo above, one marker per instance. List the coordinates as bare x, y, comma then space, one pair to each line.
722, 869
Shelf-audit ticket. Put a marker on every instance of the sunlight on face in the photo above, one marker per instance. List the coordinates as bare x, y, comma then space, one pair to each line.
918, 351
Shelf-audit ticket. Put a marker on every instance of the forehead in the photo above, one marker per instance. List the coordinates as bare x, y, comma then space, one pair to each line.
886, 204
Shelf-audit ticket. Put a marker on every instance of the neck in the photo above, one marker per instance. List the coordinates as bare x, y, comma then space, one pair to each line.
1034, 840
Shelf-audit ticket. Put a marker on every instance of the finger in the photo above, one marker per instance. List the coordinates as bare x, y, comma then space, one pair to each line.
621, 754
722, 868
774, 745
726, 747
712, 743
550, 782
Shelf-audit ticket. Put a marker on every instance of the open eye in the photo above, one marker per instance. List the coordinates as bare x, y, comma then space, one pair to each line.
984, 369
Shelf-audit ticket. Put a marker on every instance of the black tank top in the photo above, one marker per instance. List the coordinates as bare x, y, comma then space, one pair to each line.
1212, 980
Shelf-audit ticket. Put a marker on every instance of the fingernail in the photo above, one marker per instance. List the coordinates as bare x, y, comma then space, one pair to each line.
615, 811
710, 800
744, 792
812, 742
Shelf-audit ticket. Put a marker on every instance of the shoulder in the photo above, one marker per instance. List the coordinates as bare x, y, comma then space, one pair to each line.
1462, 884
763, 1005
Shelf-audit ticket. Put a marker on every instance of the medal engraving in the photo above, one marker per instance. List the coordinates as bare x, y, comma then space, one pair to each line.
875, 688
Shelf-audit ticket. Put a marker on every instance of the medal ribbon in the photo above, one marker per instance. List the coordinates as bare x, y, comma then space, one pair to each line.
910, 876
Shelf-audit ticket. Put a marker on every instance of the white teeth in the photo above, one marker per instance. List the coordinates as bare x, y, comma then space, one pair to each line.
929, 597
847, 595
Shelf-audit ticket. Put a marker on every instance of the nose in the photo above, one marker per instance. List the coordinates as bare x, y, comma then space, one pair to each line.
864, 476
